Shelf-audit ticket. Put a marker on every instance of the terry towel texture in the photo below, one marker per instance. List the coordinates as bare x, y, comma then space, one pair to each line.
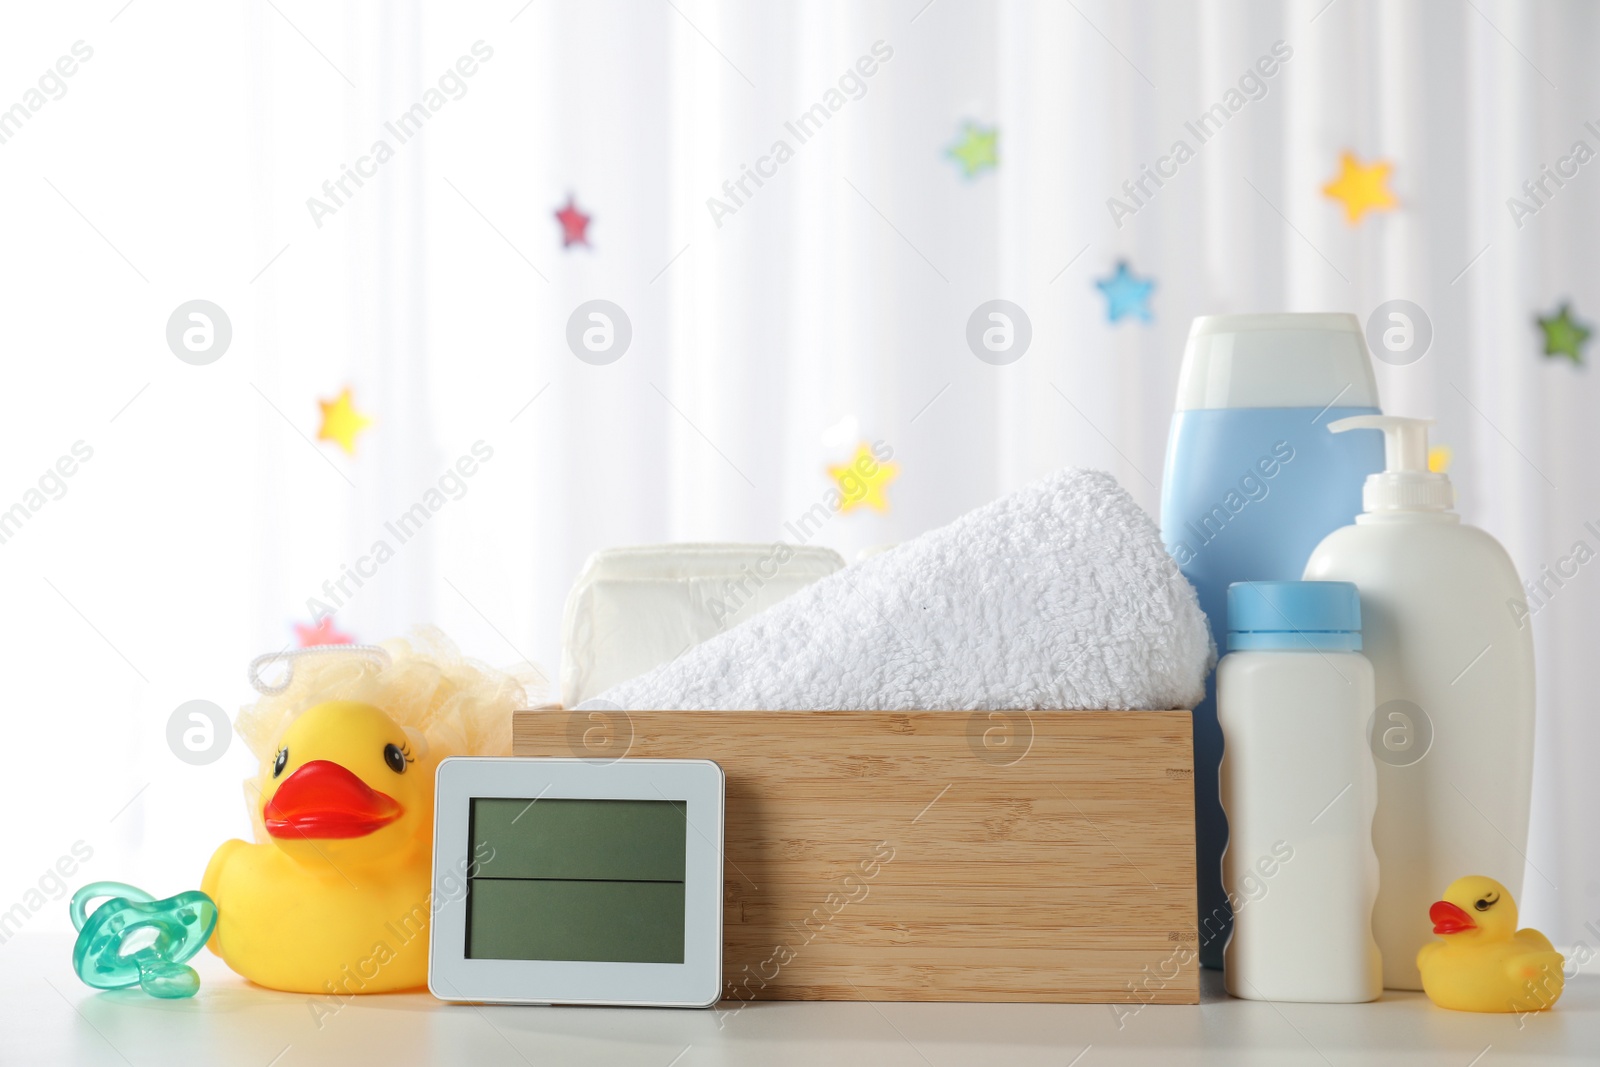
1059, 596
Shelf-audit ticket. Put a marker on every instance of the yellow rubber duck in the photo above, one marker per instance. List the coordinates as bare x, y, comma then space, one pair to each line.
337, 901
1484, 962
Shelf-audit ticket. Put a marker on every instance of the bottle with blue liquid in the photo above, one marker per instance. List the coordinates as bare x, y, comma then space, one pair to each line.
1253, 482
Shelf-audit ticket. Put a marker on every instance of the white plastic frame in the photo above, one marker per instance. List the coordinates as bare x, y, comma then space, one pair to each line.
694, 983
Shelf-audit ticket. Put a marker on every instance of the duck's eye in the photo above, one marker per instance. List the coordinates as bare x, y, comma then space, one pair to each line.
1485, 903
395, 758
280, 762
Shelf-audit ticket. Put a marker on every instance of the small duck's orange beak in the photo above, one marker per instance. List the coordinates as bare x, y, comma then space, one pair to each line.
1449, 919
322, 799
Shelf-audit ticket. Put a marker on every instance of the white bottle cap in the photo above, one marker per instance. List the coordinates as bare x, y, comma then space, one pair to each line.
1287, 360
1405, 484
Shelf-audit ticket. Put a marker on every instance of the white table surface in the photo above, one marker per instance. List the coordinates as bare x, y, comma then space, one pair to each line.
48, 1017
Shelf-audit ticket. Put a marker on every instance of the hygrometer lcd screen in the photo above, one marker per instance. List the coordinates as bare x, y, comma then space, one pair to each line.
576, 879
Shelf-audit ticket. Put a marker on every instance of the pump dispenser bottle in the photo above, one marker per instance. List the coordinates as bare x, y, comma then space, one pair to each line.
1453, 666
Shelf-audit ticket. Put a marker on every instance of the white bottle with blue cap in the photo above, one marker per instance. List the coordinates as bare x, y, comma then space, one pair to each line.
1449, 636
1294, 697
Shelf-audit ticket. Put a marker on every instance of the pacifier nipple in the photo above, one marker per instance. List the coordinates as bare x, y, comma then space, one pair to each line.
167, 980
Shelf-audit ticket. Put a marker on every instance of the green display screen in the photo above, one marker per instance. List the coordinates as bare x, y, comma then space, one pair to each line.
561, 879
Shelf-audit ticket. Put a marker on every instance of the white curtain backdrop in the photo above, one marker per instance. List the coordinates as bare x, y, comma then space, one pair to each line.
829, 308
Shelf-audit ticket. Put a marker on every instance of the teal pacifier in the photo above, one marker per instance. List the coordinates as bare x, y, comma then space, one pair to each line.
135, 939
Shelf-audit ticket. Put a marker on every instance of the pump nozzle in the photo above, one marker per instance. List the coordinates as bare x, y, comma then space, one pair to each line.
1405, 484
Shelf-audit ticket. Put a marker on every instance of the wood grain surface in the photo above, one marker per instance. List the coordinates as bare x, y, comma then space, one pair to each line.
940, 855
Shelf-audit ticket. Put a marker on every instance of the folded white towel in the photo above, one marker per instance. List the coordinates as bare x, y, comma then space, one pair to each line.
1058, 596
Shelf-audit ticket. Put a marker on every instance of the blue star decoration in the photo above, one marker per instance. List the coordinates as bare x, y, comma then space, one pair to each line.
1127, 294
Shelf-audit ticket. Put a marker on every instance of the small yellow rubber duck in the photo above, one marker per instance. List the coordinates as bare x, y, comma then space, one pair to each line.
334, 898
1484, 962
339, 896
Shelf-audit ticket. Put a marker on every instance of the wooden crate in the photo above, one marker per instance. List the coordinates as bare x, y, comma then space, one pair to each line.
937, 856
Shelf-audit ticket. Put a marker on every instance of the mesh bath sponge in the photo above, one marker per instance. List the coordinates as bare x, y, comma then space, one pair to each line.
459, 706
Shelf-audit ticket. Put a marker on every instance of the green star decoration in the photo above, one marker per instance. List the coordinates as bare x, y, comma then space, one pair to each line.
1564, 335
977, 149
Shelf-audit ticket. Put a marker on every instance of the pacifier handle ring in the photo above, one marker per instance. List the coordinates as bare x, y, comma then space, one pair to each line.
377, 653
103, 890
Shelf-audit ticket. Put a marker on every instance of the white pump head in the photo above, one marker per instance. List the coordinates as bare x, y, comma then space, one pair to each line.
1405, 484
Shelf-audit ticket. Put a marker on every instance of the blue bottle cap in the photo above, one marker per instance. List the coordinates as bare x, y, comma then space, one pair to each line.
1314, 616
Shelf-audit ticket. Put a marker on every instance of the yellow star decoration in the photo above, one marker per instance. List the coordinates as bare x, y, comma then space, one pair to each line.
1439, 457
861, 481
341, 421
1361, 188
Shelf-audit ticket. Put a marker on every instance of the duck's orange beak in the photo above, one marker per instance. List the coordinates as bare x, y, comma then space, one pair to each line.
322, 799
1449, 919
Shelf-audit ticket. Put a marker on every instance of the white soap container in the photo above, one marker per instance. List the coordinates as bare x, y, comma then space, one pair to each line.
1446, 628
1299, 785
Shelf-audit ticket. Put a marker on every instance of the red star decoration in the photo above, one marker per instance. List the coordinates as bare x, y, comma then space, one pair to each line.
322, 633
574, 225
